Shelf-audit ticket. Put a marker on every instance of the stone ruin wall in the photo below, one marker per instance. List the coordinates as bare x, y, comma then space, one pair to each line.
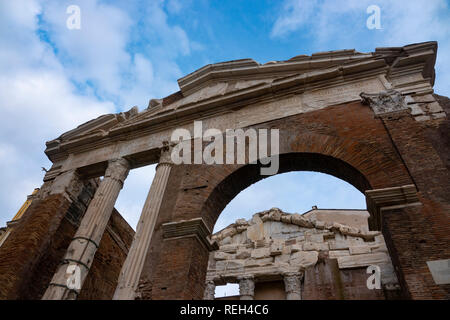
329, 258
37, 242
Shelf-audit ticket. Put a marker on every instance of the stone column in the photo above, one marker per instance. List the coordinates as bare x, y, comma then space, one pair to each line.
292, 286
246, 288
132, 267
71, 273
210, 290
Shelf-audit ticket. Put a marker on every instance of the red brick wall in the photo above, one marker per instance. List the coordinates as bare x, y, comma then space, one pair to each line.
420, 234
25, 250
30, 255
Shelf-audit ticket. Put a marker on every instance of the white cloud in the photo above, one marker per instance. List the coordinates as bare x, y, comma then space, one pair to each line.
37, 103
331, 25
52, 79
125, 54
97, 51
174, 6
295, 14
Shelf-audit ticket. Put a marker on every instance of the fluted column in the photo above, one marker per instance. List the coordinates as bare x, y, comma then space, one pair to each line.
71, 273
134, 263
246, 288
210, 290
292, 286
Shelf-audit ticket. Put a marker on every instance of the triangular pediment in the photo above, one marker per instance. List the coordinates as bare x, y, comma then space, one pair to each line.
346, 222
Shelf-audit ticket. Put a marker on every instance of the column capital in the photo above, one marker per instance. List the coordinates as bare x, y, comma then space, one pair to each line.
384, 102
292, 282
117, 169
190, 228
246, 286
166, 153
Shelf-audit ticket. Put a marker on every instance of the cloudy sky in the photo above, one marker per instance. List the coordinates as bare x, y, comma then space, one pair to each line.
53, 78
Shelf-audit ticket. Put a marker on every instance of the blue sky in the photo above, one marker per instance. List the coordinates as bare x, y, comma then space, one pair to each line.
127, 52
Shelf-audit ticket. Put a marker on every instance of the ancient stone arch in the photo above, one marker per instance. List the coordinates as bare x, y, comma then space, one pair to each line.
371, 119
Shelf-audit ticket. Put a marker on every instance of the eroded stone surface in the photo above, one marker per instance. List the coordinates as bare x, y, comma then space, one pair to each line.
274, 243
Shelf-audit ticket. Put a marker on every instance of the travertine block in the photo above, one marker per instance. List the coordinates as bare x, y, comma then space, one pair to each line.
300, 221
229, 248
283, 258
304, 258
260, 253
275, 214
308, 246
359, 249
362, 260
338, 244
286, 218
333, 254
316, 237
243, 254
220, 255
434, 107
235, 264
276, 249
258, 262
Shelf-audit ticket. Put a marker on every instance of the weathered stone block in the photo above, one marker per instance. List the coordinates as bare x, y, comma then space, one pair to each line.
287, 250
229, 232
308, 246
319, 224
229, 248
258, 262
286, 218
221, 265
243, 254
276, 249
333, 254
235, 264
220, 255
260, 253
301, 221
359, 249
338, 244
316, 237
275, 214
362, 260
434, 107
304, 258
226, 240
283, 258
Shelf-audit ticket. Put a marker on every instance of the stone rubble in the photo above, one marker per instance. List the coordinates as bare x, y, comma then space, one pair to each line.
276, 243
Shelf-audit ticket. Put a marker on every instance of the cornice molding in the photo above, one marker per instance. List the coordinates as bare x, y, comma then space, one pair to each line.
295, 76
189, 228
389, 198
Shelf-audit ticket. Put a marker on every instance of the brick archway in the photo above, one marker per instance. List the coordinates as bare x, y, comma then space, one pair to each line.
370, 119
360, 153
